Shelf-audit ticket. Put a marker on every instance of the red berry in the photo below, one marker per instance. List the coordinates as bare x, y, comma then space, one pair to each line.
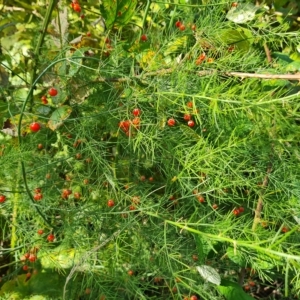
67, 192
189, 104
2, 198
28, 275
191, 123
76, 7
35, 127
82, 16
136, 112
40, 231
136, 122
130, 272
38, 197
182, 27
187, 117
201, 199
37, 190
52, 92
50, 237
107, 41
132, 207
85, 181
25, 267
40, 146
26, 255
241, 209
193, 27
171, 122
32, 258
214, 206
88, 34
77, 195
44, 99
151, 179
144, 38
124, 125
194, 297
236, 212
110, 203
234, 4
195, 257
178, 24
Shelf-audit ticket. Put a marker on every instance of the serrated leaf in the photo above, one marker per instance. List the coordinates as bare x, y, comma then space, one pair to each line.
243, 13
233, 291
58, 116
209, 274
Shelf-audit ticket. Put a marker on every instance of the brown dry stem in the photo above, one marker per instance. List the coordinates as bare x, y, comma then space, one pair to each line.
259, 206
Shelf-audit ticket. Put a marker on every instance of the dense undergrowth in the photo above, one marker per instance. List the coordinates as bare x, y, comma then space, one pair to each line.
149, 150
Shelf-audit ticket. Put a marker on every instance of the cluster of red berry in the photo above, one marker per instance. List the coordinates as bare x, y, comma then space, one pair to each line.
187, 117
135, 122
76, 6
38, 194
238, 211
182, 27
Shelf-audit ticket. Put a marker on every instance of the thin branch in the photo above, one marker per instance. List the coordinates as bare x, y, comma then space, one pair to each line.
265, 76
242, 75
268, 53
259, 205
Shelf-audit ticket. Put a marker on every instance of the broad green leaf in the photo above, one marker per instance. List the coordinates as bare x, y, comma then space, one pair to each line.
233, 291
58, 116
209, 274
126, 9
76, 63
236, 256
243, 13
108, 9
238, 38
293, 66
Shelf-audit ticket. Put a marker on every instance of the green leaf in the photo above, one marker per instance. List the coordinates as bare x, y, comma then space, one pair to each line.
60, 258
117, 12
243, 13
236, 256
177, 45
126, 9
293, 66
209, 274
58, 116
233, 291
43, 110
239, 38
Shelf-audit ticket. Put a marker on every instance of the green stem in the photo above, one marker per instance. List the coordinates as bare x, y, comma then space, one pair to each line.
16, 199
39, 44
146, 13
